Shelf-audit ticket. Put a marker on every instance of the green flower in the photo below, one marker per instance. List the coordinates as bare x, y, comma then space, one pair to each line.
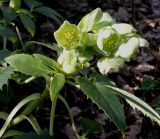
108, 41
128, 50
68, 36
69, 61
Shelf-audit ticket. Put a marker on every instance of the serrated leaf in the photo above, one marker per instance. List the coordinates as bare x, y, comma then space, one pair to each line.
56, 85
95, 20
48, 62
28, 23
137, 103
46, 11
15, 4
4, 76
9, 14
105, 100
28, 64
134, 101
105, 64
43, 135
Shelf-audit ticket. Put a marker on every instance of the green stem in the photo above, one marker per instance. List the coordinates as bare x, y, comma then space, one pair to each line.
72, 83
20, 38
30, 107
4, 43
52, 116
70, 115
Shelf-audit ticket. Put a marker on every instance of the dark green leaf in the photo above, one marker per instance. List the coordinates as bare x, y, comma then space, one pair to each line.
89, 126
28, 64
49, 13
32, 3
106, 100
9, 14
4, 53
4, 75
137, 103
28, 23
134, 101
56, 85
6, 32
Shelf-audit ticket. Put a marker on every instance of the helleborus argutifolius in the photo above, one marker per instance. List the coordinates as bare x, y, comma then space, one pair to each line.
95, 21
127, 50
108, 40
105, 64
68, 36
123, 28
69, 61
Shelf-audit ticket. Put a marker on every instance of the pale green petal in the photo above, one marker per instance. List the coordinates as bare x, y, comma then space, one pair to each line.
95, 20
105, 64
108, 40
128, 50
71, 68
143, 42
123, 28
68, 36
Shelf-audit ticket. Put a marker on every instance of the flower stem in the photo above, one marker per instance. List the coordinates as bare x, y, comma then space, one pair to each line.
70, 115
30, 107
52, 116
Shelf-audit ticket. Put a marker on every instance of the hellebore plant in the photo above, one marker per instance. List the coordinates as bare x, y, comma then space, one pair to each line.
97, 34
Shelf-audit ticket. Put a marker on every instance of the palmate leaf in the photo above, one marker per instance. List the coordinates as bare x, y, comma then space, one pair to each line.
134, 101
28, 64
106, 100
4, 75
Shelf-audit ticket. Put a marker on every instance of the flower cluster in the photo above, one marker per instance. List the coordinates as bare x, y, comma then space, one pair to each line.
96, 33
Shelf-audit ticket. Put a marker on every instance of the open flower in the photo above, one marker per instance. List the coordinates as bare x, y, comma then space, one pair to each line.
127, 50
68, 36
108, 40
